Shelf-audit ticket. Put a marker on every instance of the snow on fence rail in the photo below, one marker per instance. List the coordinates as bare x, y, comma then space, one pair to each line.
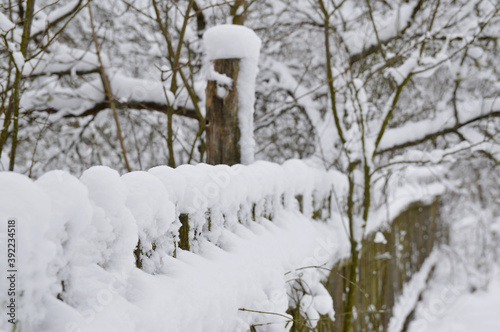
97, 253
217, 197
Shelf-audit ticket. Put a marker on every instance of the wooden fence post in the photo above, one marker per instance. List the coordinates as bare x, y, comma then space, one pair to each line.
233, 55
222, 128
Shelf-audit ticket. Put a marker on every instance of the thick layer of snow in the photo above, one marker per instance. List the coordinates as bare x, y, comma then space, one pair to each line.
413, 184
228, 41
452, 311
238, 42
414, 131
29, 205
464, 292
238, 192
379, 238
41, 20
76, 241
63, 59
125, 89
18, 60
79, 237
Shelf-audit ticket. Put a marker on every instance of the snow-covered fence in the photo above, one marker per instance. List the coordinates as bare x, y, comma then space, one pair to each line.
390, 259
80, 243
213, 198
197, 248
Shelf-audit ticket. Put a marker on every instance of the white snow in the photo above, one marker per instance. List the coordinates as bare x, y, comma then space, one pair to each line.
238, 42
452, 310
250, 242
411, 293
41, 20
464, 291
116, 228
409, 185
228, 41
413, 131
78, 240
401, 73
29, 205
18, 60
388, 27
63, 59
5, 23
379, 238
76, 101
155, 217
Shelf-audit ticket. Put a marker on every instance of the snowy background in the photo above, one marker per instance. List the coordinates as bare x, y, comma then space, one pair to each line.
349, 112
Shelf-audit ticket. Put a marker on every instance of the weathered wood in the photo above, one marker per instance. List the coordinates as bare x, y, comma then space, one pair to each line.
138, 255
222, 129
184, 232
385, 268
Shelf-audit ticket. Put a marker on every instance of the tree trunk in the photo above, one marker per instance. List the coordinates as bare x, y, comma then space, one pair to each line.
222, 130
16, 98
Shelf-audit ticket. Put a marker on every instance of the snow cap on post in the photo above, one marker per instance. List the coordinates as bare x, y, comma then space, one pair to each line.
230, 41
238, 42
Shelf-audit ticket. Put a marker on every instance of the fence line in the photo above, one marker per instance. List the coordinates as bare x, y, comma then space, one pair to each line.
141, 221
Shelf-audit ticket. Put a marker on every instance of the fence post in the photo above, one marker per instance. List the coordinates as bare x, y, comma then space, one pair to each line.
232, 54
222, 128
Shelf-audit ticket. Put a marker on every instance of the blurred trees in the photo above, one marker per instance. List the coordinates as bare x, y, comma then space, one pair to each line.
327, 69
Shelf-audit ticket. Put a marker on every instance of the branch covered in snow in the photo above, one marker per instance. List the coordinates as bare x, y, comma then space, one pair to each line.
414, 133
89, 99
400, 20
41, 25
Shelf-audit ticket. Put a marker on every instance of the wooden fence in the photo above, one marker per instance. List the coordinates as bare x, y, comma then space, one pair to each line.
384, 268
